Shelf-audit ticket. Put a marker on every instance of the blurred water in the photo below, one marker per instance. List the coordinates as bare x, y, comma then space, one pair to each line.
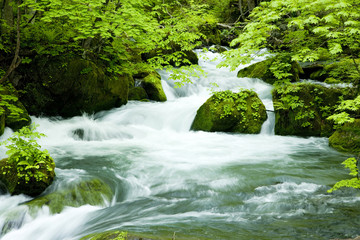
199, 185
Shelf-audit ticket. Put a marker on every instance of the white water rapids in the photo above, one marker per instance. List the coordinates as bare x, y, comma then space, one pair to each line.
199, 185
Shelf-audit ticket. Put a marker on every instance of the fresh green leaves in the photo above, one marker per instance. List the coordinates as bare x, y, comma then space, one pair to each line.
351, 164
26, 155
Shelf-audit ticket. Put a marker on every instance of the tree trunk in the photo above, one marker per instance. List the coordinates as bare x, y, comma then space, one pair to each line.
7, 14
16, 60
251, 4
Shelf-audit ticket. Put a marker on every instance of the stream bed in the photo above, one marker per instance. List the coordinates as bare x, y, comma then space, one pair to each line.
168, 180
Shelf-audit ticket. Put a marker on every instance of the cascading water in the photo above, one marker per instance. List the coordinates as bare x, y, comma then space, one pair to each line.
198, 185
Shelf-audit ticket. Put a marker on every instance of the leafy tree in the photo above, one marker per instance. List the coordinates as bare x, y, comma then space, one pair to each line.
116, 33
301, 30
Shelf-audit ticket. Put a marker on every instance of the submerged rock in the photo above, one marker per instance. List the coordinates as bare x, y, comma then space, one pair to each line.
262, 71
226, 111
301, 109
15, 184
93, 192
112, 235
68, 86
152, 85
347, 138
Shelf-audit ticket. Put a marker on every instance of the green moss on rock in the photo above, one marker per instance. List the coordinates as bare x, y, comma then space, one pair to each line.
68, 86
93, 192
115, 235
262, 71
152, 85
16, 185
2, 121
226, 111
137, 93
301, 109
347, 138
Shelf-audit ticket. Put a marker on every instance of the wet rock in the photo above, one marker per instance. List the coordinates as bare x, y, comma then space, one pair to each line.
68, 86
301, 109
347, 138
137, 93
15, 184
343, 71
262, 71
152, 85
2, 121
226, 111
93, 192
115, 234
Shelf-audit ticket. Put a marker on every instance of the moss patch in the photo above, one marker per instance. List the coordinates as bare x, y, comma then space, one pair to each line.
301, 109
152, 85
137, 93
67, 86
2, 121
226, 111
347, 138
93, 192
262, 71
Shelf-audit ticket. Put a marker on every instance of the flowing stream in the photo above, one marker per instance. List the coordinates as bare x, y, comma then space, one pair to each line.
168, 180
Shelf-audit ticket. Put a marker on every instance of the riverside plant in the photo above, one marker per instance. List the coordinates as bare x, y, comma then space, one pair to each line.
26, 155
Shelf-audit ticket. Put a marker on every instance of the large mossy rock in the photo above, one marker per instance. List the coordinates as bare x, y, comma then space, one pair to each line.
343, 71
15, 114
301, 109
226, 111
93, 192
68, 86
137, 93
152, 85
2, 121
347, 138
18, 185
262, 71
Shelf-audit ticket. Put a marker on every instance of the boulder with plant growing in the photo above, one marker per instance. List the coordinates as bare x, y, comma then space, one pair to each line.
226, 111
27, 169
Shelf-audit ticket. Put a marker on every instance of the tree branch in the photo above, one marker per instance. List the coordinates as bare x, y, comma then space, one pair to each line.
16, 60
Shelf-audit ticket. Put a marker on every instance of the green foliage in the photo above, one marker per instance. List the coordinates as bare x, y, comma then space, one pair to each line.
305, 30
7, 103
24, 152
343, 110
351, 164
234, 101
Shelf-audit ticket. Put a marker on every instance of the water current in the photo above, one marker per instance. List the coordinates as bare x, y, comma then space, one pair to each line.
169, 180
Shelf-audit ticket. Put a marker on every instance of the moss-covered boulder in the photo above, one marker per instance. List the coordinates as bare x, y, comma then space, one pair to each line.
16, 116
137, 93
93, 192
343, 71
35, 185
262, 71
2, 121
152, 85
347, 138
226, 111
68, 86
301, 109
